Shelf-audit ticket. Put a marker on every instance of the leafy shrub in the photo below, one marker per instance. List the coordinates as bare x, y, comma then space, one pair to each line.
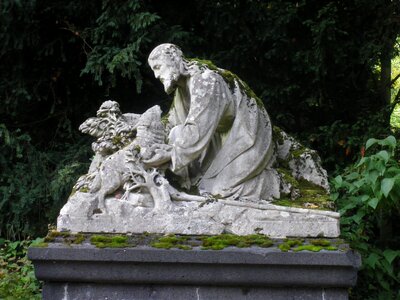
34, 183
17, 278
368, 198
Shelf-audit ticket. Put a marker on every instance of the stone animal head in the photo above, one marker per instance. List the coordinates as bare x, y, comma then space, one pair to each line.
150, 129
109, 107
168, 64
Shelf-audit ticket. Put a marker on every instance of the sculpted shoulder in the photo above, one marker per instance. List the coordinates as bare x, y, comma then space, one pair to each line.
207, 79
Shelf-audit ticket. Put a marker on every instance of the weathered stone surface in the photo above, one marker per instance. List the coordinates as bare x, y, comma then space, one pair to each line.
85, 272
193, 218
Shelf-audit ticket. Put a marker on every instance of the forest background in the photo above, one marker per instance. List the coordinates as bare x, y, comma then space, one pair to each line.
328, 72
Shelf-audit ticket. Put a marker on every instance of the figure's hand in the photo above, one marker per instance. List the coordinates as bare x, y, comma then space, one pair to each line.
162, 154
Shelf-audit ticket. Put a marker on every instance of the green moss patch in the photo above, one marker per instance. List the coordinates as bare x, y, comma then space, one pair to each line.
84, 189
289, 244
222, 241
116, 241
53, 234
277, 135
287, 176
320, 242
314, 248
172, 241
311, 195
314, 245
65, 237
40, 245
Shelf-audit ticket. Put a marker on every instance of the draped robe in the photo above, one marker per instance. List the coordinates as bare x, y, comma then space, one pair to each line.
221, 138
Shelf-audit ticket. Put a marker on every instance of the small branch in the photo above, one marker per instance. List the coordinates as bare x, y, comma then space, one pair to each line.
395, 79
76, 33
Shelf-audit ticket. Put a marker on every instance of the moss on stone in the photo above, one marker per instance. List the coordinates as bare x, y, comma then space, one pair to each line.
78, 239
65, 237
315, 245
84, 189
116, 241
203, 62
171, 241
313, 248
287, 176
228, 77
284, 247
165, 119
72, 192
222, 241
296, 153
289, 244
116, 140
312, 196
40, 245
320, 242
277, 135
53, 234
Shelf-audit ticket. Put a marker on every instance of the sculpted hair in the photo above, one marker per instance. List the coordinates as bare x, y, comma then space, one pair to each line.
171, 50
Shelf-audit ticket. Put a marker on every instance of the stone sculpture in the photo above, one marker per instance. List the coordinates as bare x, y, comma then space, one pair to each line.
214, 164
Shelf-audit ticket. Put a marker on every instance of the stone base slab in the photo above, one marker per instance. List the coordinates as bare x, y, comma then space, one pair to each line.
192, 218
85, 272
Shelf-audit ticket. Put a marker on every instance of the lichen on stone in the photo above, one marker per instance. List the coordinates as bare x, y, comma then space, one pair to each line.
228, 77
277, 135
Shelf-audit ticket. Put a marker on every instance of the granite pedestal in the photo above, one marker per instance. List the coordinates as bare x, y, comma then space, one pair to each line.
86, 272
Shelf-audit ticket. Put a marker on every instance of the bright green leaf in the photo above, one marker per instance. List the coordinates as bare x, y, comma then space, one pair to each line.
334, 196
373, 176
338, 180
389, 141
390, 255
370, 142
372, 259
384, 155
373, 203
387, 185
352, 176
363, 161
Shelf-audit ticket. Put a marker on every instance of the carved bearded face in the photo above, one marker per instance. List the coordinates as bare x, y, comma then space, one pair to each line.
166, 63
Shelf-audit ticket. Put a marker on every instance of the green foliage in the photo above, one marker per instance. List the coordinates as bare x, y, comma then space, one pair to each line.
17, 278
341, 144
117, 41
34, 184
367, 195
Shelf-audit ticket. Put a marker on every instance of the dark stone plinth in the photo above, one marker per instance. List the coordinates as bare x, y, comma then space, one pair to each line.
85, 272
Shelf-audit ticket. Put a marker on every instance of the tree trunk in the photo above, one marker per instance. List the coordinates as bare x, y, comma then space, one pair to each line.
386, 72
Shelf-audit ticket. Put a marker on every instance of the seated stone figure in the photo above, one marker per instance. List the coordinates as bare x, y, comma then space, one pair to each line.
220, 137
